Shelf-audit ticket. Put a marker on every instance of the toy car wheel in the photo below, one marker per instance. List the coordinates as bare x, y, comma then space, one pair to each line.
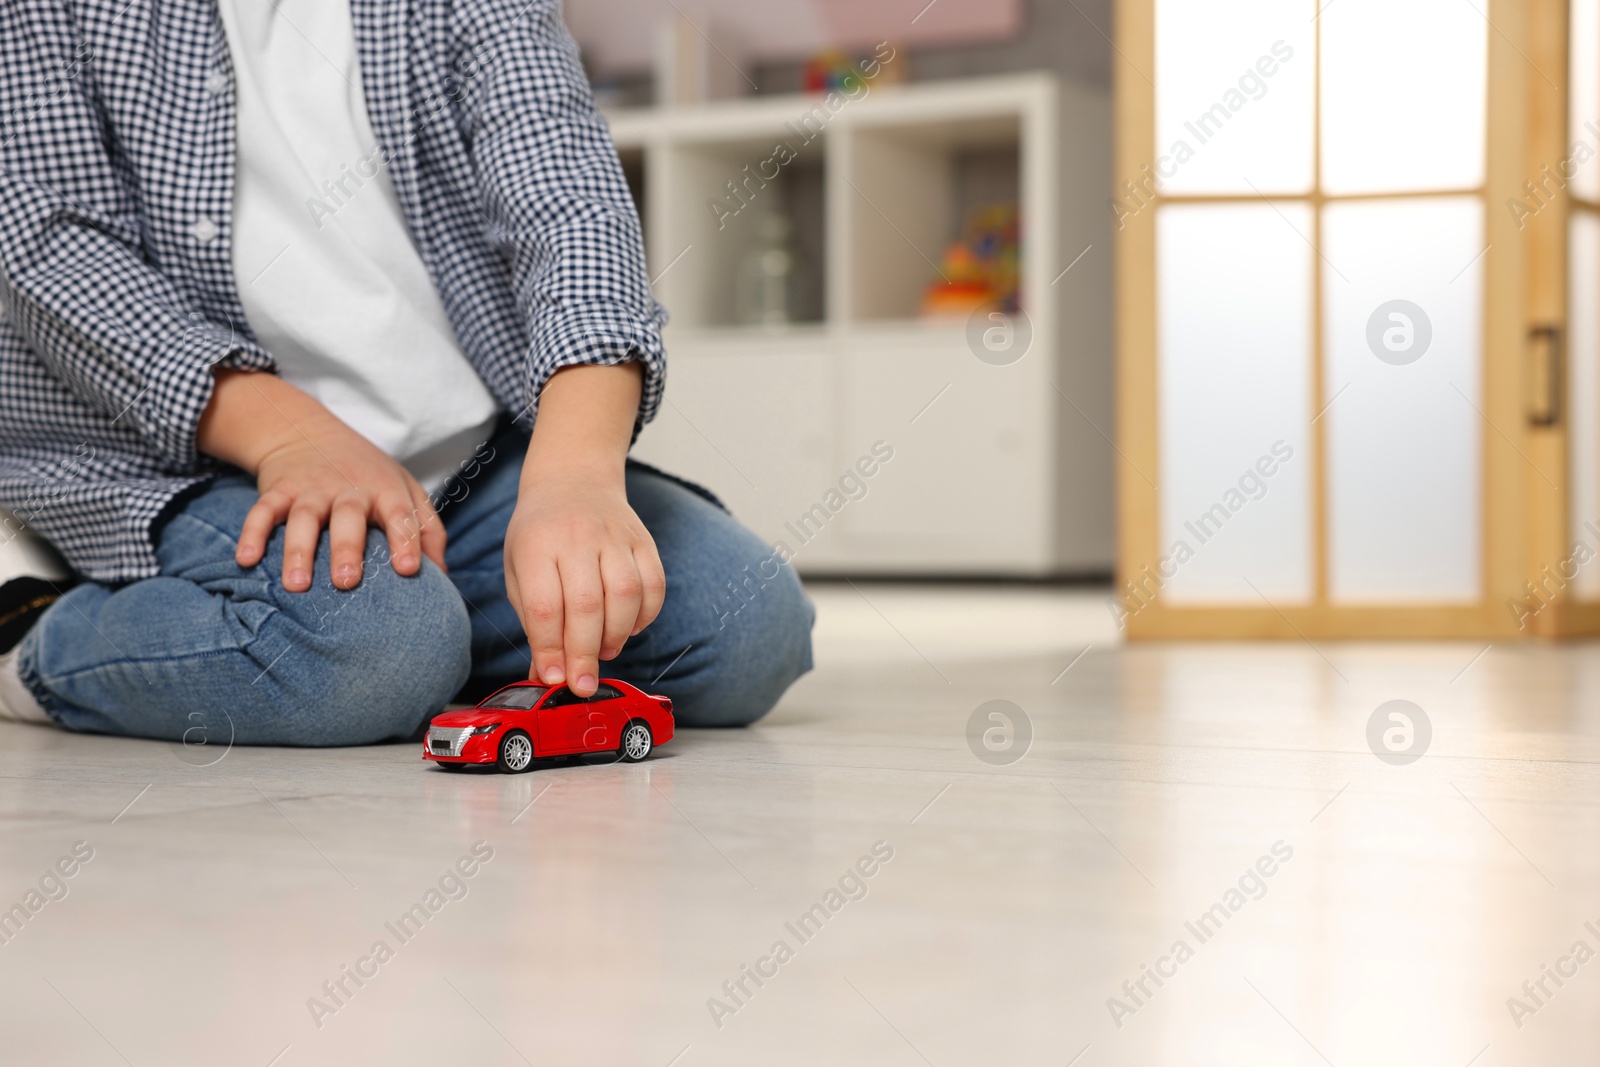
636, 742
516, 752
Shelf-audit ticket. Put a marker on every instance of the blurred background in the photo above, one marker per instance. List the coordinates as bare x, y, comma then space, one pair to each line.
861, 218
1247, 319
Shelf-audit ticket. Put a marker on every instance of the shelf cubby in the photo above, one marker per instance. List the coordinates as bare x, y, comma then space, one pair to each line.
909, 187
988, 459
721, 193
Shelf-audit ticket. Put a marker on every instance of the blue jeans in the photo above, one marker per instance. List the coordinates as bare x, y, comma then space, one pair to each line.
213, 647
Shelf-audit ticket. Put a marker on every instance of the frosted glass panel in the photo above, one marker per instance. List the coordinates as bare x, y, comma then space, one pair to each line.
1403, 435
1234, 289
1403, 87
1583, 378
1584, 81
1233, 96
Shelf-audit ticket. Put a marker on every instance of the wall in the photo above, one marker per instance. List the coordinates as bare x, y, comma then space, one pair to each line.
1069, 37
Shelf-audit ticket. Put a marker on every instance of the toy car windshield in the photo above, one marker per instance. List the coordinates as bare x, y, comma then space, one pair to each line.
515, 697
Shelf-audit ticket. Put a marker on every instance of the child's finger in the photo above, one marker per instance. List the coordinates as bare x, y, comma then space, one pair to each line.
619, 575
259, 522
540, 606
300, 534
652, 583
347, 538
514, 595
583, 599
393, 509
432, 536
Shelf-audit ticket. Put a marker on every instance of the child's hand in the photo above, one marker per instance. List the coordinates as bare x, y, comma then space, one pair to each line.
582, 572
313, 471
583, 575
336, 478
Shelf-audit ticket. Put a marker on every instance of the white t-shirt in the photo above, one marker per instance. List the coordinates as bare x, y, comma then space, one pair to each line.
330, 281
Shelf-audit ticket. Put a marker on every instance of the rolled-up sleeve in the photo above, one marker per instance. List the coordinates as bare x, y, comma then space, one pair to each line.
73, 275
555, 196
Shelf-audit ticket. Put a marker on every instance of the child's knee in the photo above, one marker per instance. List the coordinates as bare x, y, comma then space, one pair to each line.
753, 653
785, 628
372, 664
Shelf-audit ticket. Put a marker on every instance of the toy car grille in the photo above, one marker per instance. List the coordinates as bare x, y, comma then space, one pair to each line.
447, 742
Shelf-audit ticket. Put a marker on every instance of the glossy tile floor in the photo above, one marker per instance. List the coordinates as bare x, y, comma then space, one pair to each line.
1008, 902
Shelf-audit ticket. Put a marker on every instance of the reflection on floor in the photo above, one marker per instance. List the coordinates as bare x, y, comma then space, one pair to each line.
1198, 859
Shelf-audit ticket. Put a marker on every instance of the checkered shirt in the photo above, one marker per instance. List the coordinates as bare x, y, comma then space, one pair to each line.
117, 293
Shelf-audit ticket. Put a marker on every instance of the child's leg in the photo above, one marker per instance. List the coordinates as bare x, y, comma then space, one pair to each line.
735, 631
226, 651
733, 634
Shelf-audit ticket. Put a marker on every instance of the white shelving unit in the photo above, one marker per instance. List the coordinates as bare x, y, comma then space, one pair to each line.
994, 470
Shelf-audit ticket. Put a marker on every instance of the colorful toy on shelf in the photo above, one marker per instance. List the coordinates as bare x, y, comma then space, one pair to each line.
525, 720
827, 71
981, 268
834, 71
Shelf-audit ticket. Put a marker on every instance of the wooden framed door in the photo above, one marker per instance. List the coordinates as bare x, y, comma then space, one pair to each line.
1559, 211
1341, 349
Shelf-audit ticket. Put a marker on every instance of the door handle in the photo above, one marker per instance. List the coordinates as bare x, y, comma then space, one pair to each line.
1546, 364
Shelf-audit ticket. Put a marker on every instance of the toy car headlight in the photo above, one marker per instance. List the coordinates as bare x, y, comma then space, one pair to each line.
481, 730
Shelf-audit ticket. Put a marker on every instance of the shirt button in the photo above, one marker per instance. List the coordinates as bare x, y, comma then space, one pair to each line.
216, 82
203, 230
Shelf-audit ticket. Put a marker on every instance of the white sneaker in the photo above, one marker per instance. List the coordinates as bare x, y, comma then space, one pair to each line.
17, 703
24, 553
36, 568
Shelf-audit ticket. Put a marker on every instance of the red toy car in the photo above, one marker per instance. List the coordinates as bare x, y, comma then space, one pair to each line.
512, 726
